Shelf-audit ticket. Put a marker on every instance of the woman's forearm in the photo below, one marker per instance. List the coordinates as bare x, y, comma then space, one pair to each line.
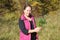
31, 31
35, 30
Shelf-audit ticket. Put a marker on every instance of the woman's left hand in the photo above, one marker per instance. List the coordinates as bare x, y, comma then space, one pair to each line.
40, 28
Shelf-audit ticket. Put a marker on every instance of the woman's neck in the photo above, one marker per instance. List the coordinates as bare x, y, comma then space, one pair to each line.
28, 18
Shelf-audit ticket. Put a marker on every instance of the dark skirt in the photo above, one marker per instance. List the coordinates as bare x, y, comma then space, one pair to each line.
33, 36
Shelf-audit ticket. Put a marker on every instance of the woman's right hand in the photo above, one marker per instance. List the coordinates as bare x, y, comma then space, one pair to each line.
35, 30
38, 29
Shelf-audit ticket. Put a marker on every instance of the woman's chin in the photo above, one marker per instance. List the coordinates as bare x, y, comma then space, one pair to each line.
27, 15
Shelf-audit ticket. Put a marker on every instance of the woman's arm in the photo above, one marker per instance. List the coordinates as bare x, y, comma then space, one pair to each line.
31, 31
22, 27
34, 30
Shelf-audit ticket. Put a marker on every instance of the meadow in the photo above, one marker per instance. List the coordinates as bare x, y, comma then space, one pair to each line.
9, 26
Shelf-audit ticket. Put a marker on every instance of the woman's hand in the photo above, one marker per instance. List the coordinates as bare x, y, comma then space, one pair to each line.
38, 29
35, 30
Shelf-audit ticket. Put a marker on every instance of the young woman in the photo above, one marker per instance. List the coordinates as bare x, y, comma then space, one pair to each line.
28, 29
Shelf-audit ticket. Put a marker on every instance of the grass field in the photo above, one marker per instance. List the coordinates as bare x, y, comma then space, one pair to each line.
9, 29
52, 28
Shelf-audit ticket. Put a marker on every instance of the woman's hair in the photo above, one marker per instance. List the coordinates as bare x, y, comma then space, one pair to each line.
26, 5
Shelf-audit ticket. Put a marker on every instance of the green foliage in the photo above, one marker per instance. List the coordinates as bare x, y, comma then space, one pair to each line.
41, 22
43, 7
9, 6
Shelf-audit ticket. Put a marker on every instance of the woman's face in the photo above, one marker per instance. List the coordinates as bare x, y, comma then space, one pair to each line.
27, 11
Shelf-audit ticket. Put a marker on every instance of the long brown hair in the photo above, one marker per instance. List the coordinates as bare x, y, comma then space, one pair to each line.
26, 5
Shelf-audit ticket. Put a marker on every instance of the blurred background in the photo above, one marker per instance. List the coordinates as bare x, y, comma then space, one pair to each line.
48, 10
